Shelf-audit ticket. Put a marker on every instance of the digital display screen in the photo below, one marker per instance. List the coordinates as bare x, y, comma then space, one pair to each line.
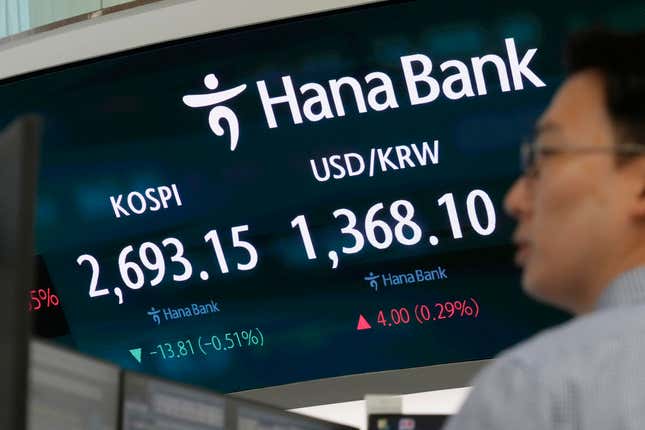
151, 404
68, 391
312, 198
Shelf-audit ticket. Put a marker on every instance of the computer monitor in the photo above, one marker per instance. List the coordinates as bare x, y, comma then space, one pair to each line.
68, 390
18, 161
151, 403
301, 211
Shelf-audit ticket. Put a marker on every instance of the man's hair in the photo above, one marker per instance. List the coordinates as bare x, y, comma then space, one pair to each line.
620, 58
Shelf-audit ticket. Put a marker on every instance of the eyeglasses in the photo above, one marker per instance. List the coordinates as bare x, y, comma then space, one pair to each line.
531, 152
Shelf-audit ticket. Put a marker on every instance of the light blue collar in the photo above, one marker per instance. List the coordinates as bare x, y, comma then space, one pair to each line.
626, 289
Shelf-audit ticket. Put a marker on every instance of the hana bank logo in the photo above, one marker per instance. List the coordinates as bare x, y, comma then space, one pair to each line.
154, 313
218, 112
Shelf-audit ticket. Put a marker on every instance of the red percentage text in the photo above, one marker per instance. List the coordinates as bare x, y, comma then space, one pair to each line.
424, 313
42, 298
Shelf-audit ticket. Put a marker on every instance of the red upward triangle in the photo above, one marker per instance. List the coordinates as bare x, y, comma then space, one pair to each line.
362, 323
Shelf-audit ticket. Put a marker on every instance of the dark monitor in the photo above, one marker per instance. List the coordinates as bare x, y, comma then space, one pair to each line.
69, 391
150, 403
18, 161
405, 422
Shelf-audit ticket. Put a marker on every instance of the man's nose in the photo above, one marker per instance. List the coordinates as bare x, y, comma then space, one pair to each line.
517, 202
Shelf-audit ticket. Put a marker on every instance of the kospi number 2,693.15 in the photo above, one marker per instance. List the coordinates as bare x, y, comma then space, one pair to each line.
152, 257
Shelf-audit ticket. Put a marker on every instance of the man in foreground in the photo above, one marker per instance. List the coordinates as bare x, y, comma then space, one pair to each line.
580, 208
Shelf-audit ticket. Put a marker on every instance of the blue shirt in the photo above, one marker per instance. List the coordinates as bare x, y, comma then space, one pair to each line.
588, 373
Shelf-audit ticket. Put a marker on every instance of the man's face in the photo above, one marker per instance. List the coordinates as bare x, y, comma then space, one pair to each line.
572, 213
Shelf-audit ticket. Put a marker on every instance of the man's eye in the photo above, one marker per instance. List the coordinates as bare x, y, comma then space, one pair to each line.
532, 172
546, 153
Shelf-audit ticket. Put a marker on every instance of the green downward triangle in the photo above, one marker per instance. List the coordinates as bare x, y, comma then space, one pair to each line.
136, 353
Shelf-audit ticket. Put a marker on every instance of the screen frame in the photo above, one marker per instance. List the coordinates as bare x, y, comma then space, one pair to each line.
19, 150
118, 35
